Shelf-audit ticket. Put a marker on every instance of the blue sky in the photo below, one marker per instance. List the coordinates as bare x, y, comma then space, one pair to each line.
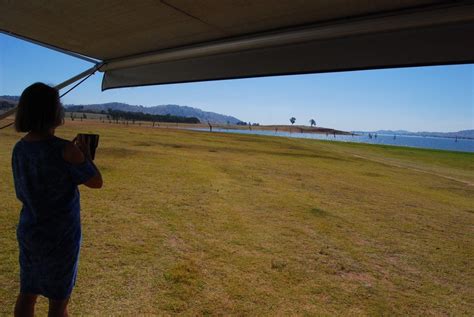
417, 99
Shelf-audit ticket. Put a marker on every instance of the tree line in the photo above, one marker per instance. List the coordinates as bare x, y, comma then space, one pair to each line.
140, 116
118, 115
4, 105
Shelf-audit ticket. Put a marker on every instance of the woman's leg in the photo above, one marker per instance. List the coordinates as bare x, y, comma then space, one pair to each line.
25, 305
58, 308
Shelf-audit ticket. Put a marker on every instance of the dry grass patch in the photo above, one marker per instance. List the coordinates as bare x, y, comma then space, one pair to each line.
197, 223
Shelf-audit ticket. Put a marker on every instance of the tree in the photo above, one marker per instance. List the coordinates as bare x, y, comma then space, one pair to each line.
312, 122
292, 120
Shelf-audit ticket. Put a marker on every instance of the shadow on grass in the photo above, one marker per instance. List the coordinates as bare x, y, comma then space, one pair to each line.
117, 152
319, 212
371, 174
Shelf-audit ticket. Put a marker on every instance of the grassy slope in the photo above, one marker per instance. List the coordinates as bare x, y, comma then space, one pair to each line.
197, 223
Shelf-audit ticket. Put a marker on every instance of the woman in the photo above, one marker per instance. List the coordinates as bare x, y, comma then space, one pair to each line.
47, 171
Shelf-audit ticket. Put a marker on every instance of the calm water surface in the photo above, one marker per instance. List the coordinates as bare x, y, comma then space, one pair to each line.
462, 145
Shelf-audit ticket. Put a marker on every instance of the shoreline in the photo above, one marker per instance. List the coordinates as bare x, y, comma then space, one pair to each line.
284, 128
297, 135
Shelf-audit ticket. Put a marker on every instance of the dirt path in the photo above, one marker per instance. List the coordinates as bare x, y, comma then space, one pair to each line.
414, 169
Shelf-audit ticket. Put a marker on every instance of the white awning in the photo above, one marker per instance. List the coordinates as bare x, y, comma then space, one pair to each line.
159, 42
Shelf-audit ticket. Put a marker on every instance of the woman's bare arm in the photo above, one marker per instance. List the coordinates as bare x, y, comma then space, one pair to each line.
74, 155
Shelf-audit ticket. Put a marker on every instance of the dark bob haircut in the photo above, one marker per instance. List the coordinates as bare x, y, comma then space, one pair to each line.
39, 109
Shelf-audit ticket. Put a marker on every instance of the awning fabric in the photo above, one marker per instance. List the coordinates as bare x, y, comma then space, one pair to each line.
157, 42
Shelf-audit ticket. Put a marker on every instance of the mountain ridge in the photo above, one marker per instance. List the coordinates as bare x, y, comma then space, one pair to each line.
172, 109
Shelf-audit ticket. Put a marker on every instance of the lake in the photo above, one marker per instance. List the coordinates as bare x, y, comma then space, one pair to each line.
449, 144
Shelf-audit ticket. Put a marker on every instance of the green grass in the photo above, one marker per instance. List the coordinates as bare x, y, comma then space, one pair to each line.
197, 223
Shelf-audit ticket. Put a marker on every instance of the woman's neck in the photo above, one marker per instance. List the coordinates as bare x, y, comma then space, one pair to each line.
38, 136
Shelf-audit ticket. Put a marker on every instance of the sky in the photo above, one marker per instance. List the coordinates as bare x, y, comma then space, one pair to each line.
439, 98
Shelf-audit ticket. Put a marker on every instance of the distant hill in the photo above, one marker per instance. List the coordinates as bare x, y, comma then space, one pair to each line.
460, 134
6, 103
467, 134
13, 99
174, 110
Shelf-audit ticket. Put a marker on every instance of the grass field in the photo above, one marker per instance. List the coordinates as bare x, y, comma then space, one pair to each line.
198, 223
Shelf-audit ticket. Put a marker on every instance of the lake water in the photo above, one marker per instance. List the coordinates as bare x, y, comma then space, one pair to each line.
449, 144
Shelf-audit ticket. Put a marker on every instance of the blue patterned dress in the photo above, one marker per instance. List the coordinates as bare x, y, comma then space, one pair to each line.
49, 229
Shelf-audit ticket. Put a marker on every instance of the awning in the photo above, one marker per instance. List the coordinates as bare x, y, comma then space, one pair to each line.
160, 42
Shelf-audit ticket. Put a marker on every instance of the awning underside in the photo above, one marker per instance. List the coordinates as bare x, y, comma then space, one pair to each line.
158, 42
